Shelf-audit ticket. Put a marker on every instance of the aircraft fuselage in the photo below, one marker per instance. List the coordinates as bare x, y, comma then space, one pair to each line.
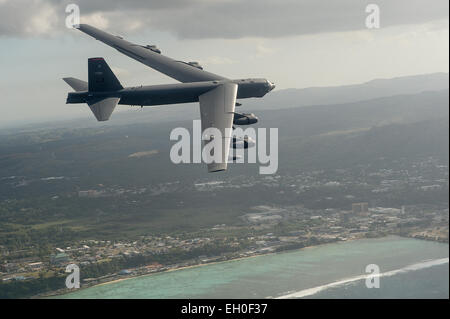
172, 93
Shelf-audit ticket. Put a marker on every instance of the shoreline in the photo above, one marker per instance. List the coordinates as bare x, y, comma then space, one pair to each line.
47, 295
66, 292
178, 268
209, 263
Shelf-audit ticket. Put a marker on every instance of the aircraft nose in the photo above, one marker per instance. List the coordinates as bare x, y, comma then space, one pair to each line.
271, 85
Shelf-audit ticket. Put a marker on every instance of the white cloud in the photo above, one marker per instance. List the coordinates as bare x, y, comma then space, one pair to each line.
217, 19
97, 19
263, 50
216, 60
43, 19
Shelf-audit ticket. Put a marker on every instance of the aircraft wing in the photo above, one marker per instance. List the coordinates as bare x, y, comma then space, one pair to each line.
217, 111
178, 70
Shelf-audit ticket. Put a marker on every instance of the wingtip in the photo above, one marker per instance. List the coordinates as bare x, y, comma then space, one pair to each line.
81, 25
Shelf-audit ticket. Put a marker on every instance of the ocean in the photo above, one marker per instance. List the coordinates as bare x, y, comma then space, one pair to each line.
408, 268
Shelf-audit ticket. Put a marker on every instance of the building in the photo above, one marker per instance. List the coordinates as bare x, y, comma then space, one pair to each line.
91, 193
360, 208
35, 266
59, 258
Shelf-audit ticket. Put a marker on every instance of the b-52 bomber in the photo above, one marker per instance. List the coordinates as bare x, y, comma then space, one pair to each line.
216, 94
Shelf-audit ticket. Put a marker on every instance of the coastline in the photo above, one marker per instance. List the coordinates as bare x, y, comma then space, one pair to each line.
180, 268
65, 291
172, 269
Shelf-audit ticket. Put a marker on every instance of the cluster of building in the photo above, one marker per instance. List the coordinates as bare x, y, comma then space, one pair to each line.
102, 191
258, 229
326, 225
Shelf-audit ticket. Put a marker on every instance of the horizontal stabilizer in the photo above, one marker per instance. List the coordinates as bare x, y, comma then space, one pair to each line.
103, 109
77, 85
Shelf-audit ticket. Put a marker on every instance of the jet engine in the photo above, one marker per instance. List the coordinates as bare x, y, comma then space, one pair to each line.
244, 119
195, 65
153, 47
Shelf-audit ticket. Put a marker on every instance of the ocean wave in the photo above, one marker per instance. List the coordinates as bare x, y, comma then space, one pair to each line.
413, 267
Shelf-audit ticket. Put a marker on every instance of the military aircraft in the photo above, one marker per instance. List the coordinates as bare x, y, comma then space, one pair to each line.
217, 95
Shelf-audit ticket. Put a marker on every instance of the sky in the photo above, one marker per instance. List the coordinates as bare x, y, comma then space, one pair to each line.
294, 43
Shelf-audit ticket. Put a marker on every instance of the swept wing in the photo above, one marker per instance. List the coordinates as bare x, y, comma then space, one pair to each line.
178, 70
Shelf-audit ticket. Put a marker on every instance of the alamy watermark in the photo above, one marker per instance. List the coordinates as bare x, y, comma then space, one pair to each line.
373, 19
73, 17
189, 150
73, 280
373, 279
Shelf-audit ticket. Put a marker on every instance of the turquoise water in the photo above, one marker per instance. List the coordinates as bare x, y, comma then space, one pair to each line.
290, 273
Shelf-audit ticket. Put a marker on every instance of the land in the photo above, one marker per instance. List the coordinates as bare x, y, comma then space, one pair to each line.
106, 197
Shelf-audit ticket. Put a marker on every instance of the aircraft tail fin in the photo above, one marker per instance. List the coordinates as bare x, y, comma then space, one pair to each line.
100, 77
101, 80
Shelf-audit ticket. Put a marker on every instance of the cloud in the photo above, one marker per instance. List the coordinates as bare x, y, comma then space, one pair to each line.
217, 60
196, 19
263, 50
97, 18
22, 18
43, 21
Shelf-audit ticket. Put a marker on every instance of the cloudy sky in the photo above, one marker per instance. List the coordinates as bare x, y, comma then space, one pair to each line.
294, 43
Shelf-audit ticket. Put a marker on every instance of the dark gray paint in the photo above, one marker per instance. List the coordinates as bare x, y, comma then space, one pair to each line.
178, 70
172, 93
195, 81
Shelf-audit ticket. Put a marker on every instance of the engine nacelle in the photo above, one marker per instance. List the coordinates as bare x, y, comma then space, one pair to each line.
244, 119
152, 47
195, 65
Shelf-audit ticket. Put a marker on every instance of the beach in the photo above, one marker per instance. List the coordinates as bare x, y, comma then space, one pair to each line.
281, 274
